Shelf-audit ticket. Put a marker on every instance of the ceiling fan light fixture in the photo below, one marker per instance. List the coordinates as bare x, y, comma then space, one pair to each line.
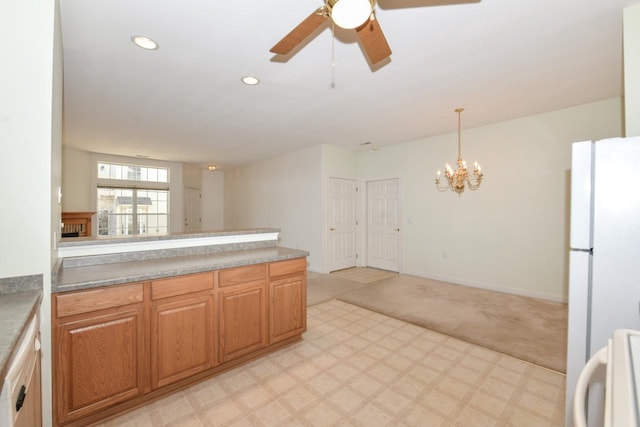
349, 14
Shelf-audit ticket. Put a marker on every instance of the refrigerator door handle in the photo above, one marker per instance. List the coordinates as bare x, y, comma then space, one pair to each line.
579, 409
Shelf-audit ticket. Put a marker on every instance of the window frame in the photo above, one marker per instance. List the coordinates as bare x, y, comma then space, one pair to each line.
132, 166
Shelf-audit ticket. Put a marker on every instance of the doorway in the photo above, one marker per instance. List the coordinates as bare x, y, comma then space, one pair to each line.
192, 208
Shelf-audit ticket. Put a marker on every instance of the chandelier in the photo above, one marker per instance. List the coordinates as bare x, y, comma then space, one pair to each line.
457, 179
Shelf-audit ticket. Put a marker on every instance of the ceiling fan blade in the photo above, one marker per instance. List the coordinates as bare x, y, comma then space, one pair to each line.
373, 41
403, 4
301, 32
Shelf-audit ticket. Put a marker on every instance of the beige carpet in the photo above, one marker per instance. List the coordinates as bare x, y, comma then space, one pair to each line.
529, 329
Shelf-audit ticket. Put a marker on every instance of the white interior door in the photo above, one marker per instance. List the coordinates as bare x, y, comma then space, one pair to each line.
192, 216
341, 223
383, 224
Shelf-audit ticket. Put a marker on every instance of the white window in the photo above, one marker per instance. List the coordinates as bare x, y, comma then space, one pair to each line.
132, 172
132, 199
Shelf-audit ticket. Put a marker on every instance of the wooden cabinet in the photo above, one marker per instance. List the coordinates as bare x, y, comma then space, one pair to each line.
99, 357
120, 346
242, 311
182, 334
287, 299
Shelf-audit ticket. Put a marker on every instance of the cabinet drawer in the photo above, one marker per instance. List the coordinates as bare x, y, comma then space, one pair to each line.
234, 276
98, 299
281, 268
181, 285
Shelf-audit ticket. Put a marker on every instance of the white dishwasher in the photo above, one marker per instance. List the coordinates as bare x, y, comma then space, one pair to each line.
21, 398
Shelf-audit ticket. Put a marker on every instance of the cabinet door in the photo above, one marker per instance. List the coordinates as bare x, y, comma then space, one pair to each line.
287, 308
99, 362
243, 319
182, 339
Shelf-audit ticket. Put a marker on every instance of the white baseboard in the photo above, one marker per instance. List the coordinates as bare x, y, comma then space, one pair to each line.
480, 285
473, 284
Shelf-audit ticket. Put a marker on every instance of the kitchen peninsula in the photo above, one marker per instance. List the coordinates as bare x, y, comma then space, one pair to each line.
137, 318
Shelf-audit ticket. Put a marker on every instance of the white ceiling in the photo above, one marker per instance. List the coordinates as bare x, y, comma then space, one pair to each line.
499, 59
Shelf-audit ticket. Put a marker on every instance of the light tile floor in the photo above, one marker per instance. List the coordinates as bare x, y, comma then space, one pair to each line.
356, 367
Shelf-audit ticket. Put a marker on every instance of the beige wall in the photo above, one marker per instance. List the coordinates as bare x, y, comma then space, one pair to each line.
212, 200
76, 175
283, 192
26, 132
30, 138
512, 233
192, 175
632, 69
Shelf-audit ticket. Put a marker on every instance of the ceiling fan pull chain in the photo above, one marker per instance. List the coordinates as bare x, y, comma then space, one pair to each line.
333, 55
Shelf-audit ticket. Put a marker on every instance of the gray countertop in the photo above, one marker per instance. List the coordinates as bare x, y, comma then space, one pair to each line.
76, 278
107, 240
17, 309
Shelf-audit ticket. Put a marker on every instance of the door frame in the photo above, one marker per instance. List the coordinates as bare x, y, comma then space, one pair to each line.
364, 238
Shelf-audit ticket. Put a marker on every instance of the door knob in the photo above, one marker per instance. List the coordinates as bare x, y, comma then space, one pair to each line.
332, 229
397, 229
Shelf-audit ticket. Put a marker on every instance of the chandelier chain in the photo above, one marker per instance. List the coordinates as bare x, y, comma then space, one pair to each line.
459, 111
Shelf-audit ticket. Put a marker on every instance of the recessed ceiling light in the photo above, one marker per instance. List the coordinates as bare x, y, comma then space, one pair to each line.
250, 80
145, 42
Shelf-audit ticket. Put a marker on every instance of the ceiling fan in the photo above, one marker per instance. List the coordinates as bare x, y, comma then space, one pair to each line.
347, 14
351, 14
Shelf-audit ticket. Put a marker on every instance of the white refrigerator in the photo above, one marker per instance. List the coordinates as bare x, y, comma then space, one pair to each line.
604, 257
